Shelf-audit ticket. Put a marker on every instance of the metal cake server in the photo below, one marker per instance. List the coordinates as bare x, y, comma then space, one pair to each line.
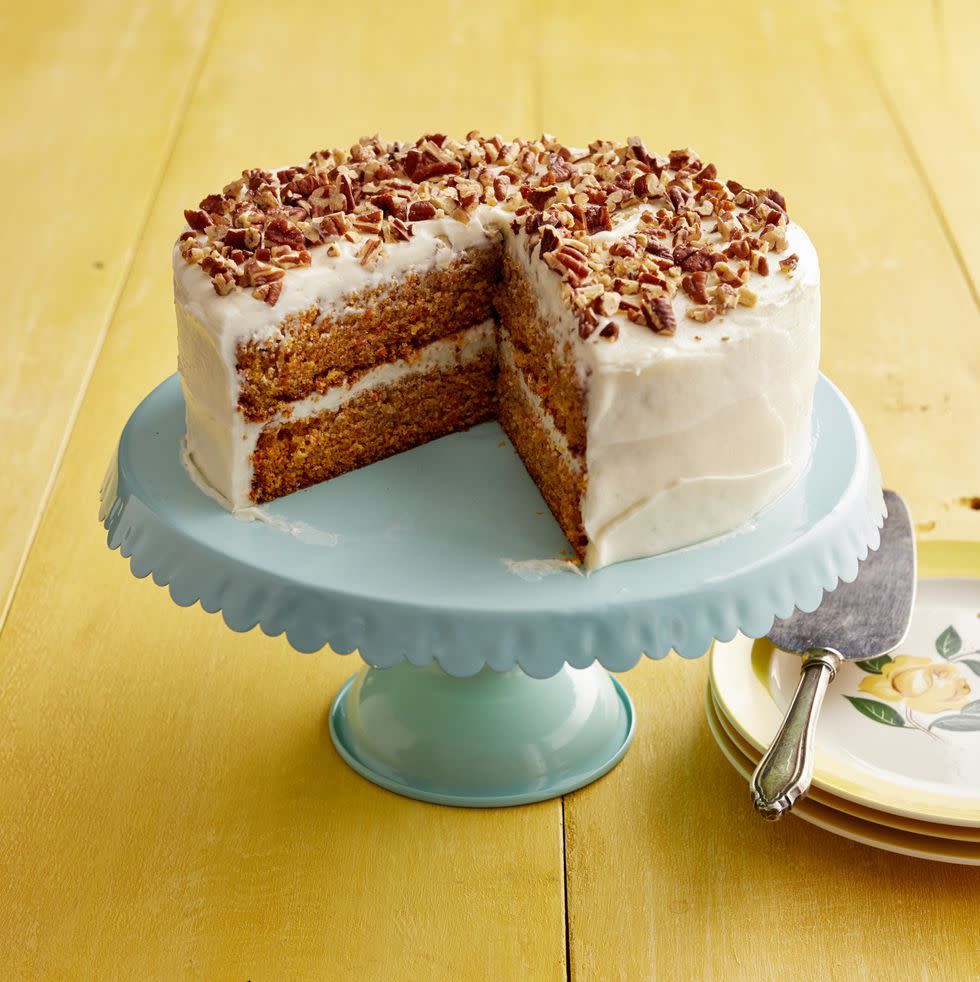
860, 620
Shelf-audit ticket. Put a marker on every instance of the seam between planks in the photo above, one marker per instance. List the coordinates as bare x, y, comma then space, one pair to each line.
564, 883
194, 77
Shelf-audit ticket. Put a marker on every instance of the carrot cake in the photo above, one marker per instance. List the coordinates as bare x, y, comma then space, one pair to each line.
646, 332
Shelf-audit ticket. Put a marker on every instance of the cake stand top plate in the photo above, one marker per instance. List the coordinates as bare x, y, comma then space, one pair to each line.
434, 553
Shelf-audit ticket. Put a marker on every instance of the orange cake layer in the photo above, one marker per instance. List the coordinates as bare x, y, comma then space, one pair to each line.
373, 425
561, 478
315, 353
549, 367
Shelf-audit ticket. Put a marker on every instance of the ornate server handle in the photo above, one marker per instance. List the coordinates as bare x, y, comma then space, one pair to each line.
784, 773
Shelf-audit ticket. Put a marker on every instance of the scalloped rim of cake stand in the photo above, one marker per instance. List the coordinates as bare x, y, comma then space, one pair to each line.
441, 592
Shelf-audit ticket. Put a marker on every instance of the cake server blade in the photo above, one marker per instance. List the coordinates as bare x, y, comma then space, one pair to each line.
860, 620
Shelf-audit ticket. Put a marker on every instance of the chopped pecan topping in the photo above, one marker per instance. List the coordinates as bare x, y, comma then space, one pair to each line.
689, 230
789, 264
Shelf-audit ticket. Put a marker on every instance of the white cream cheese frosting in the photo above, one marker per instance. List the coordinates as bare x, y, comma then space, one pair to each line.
688, 436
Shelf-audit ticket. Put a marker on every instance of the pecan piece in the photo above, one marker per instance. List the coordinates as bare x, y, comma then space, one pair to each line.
332, 224
646, 185
607, 303
587, 323
420, 211
695, 286
538, 196
350, 194
775, 196
696, 261
421, 166
370, 253
268, 292
703, 314
659, 315
739, 249
243, 238
369, 221
549, 240
623, 248
789, 264
397, 230
281, 231
258, 273
198, 219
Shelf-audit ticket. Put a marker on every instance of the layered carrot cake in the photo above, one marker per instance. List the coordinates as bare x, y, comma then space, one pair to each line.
646, 332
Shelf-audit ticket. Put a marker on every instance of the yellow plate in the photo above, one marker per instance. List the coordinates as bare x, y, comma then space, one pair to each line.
901, 735
848, 826
929, 829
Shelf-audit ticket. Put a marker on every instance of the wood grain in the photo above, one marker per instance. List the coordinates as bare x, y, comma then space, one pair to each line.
171, 805
92, 98
670, 873
926, 68
174, 805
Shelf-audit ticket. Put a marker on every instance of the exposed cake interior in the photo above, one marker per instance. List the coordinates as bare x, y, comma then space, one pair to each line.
620, 313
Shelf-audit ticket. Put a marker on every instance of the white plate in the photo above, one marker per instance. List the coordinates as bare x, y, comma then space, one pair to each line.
904, 739
849, 827
875, 817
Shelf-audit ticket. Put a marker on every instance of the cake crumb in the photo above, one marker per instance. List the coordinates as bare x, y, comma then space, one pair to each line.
925, 526
533, 570
971, 501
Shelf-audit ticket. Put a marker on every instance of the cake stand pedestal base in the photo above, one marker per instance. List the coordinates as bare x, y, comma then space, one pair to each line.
493, 739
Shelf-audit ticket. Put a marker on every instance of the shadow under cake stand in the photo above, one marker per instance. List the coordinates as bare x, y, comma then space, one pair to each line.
487, 679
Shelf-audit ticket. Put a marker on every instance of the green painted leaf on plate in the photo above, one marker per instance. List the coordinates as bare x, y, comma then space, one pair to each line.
878, 711
959, 724
972, 664
949, 642
971, 708
873, 666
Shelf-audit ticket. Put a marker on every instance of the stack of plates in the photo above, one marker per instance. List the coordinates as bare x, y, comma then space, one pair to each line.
898, 743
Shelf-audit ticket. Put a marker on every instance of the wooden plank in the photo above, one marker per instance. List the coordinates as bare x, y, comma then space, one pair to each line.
926, 67
92, 95
172, 805
670, 873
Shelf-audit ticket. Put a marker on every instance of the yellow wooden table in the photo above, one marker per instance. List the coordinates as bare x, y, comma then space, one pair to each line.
169, 801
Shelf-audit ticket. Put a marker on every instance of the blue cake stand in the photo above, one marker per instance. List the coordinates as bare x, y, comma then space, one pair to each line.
488, 658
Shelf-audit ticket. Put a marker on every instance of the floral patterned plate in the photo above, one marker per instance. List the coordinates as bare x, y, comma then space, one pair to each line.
848, 826
898, 734
852, 808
